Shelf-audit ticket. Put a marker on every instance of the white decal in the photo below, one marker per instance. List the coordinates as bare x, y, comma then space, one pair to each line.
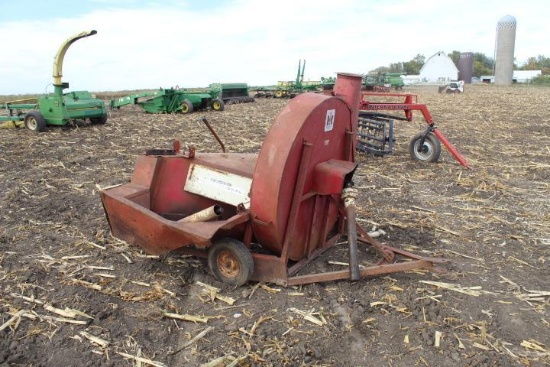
329, 120
218, 185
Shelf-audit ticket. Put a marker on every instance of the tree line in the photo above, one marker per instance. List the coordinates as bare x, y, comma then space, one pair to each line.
483, 65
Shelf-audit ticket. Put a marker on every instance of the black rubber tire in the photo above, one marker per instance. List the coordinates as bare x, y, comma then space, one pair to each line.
231, 261
34, 121
429, 152
217, 105
99, 120
186, 106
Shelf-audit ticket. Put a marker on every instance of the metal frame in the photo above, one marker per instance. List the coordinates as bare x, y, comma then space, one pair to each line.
408, 105
302, 199
375, 134
280, 270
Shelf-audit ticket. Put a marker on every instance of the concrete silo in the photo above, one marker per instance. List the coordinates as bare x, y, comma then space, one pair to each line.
504, 51
466, 67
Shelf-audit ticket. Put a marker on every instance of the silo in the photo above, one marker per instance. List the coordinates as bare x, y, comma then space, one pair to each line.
466, 67
504, 52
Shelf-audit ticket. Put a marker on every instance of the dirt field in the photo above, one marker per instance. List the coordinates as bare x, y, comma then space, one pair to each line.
72, 295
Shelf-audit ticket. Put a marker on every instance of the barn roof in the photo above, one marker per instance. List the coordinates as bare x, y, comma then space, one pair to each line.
438, 68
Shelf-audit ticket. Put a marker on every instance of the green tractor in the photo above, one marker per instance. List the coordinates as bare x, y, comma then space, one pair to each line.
56, 108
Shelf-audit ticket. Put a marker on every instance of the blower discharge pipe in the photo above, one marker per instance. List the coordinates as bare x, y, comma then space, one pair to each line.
58, 59
203, 215
349, 194
348, 87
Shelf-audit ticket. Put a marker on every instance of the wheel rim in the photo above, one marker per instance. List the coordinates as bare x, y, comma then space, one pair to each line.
423, 152
31, 123
216, 105
228, 265
184, 108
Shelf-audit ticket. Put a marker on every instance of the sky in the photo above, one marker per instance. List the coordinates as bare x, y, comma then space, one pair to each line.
149, 44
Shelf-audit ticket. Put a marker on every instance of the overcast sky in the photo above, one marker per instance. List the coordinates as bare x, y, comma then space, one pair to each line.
153, 43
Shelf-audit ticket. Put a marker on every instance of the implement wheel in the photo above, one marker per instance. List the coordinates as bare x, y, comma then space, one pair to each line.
230, 261
186, 106
278, 94
427, 152
34, 121
217, 105
98, 120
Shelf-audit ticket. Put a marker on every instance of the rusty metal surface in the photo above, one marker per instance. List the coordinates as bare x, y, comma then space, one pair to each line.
167, 188
387, 254
140, 226
393, 260
298, 205
321, 121
347, 87
216, 136
348, 196
329, 177
363, 272
270, 268
145, 211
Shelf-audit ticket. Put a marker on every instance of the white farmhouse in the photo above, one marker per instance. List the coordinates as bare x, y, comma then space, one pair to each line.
439, 69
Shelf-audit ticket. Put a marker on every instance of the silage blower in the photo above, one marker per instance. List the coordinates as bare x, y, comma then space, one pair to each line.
263, 216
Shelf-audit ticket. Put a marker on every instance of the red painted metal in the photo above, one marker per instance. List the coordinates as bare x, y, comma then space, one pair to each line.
409, 105
363, 272
285, 173
145, 211
345, 88
296, 207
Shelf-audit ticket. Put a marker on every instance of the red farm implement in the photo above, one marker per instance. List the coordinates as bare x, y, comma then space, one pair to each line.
262, 216
375, 127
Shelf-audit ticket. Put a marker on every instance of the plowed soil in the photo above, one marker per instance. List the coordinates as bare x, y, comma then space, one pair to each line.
73, 295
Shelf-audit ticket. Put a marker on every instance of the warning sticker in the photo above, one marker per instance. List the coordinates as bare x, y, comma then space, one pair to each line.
329, 120
218, 185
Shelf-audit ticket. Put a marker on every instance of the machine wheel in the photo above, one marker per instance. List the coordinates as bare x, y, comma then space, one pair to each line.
186, 106
428, 152
217, 105
34, 121
278, 94
99, 120
230, 261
